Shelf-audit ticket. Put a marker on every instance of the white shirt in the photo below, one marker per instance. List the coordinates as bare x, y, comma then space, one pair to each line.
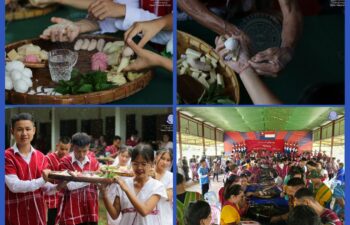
76, 185
165, 205
133, 13
150, 188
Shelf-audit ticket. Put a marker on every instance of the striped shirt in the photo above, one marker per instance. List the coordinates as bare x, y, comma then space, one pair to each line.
322, 194
25, 208
181, 206
329, 217
80, 205
53, 201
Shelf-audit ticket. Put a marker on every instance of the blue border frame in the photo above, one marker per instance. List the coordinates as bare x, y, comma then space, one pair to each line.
347, 105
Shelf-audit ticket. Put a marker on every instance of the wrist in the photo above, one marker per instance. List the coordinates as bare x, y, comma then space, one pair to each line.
120, 10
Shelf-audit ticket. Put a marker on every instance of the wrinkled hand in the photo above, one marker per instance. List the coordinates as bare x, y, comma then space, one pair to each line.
147, 29
63, 30
271, 61
102, 9
145, 58
243, 57
45, 174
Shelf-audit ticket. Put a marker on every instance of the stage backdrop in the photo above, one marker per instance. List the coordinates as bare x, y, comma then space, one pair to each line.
268, 140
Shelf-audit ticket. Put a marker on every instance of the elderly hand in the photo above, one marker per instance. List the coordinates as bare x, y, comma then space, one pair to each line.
242, 63
63, 30
102, 9
271, 61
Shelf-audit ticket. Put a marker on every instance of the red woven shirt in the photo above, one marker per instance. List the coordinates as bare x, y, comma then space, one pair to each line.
328, 216
25, 208
53, 201
80, 205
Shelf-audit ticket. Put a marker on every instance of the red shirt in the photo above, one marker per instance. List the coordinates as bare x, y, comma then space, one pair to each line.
25, 208
328, 216
282, 172
80, 205
53, 201
111, 149
164, 7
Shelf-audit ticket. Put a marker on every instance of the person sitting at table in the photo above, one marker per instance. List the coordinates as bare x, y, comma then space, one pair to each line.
322, 193
232, 180
84, 211
108, 17
270, 61
305, 197
293, 186
303, 214
257, 90
230, 213
198, 213
183, 198
113, 150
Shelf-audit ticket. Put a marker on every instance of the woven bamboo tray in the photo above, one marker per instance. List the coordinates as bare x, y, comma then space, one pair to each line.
41, 77
185, 40
26, 13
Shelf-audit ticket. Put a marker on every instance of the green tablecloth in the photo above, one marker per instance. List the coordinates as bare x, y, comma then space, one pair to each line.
159, 90
319, 57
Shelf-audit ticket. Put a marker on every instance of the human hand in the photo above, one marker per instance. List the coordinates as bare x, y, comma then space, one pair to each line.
147, 29
145, 58
45, 174
41, 3
275, 219
63, 30
271, 61
242, 63
102, 9
121, 183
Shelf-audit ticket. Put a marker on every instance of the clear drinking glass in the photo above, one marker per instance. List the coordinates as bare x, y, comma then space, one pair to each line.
61, 63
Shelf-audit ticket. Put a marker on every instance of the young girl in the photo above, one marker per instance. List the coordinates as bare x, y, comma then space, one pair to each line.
163, 163
198, 213
122, 160
137, 198
230, 213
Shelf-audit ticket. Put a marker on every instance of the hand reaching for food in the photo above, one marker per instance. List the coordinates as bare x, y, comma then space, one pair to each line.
62, 31
102, 9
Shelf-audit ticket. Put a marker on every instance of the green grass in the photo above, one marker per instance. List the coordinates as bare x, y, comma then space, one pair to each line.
102, 212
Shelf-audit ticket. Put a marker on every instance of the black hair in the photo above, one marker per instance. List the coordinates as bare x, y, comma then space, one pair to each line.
80, 139
303, 214
295, 170
303, 159
304, 193
274, 173
145, 151
162, 152
202, 160
64, 140
243, 175
179, 178
116, 138
311, 163
227, 162
197, 211
295, 182
21, 116
234, 190
125, 149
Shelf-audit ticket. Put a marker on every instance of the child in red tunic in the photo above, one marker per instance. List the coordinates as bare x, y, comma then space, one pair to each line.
80, 201
24, 167
53, 201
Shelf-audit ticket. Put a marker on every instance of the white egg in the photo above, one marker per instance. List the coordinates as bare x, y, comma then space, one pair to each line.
28, 81
20, 86
16, 75
27, 72
14, 65
8, 83
231, 44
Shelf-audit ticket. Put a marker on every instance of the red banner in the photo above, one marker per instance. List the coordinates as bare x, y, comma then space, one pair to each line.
258, 145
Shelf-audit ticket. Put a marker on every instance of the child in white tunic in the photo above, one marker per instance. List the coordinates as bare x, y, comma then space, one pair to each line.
137, 198
163, 163
122, 160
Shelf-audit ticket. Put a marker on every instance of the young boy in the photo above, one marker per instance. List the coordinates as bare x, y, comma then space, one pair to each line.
203, 173
80, 201
24, 168
53, 159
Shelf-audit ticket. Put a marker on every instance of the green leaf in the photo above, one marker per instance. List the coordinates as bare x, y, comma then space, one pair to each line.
166, 54
85, 88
